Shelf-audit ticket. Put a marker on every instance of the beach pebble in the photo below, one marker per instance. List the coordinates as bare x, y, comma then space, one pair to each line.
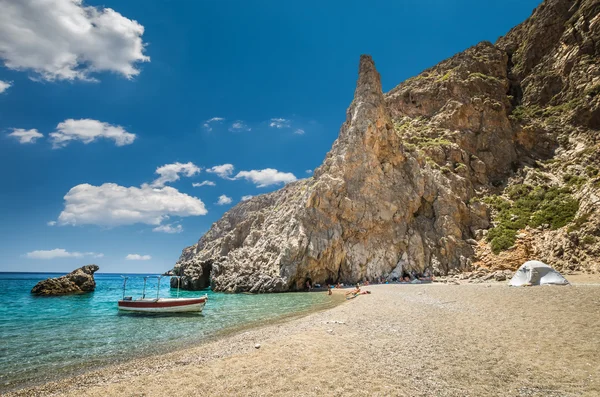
330, 331
257, 346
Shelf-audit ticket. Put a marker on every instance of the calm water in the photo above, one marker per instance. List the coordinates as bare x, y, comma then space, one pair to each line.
47, 337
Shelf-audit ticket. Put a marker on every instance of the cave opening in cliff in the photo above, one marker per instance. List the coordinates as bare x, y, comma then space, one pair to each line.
204, 280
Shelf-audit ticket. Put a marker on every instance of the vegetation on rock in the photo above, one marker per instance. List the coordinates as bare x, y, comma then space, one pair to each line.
528, 205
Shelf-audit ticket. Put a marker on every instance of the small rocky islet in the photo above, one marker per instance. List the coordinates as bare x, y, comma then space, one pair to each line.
79, 281
486, 160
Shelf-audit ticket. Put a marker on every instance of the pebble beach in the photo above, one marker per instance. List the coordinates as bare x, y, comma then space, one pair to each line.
400, 340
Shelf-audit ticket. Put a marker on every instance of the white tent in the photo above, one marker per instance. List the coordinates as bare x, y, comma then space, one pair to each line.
537, 273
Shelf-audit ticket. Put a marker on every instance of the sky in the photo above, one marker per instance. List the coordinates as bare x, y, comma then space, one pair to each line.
128, 128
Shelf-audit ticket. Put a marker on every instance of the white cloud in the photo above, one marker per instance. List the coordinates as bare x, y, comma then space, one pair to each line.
266, 177
113, 205
224, 200
26, 136
138, 257
279, 123
224, 171
299, 131
87, 131
66, 40
51, 223
204, 183
170, 228
215, 119
246, 198
208, 123
170, 172
239, 126
60, 253
4, 85
308, 171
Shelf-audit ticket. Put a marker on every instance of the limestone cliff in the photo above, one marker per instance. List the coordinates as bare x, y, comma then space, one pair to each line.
417, 176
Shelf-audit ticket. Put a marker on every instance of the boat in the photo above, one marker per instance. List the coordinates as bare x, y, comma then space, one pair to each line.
158, 304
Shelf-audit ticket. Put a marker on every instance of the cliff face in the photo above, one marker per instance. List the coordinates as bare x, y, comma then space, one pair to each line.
418, 176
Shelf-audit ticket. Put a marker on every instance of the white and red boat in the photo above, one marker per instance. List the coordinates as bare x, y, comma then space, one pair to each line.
160, 305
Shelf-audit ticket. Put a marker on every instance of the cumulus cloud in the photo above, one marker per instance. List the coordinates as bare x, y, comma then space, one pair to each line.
266, 177
308, 171
239, 126
26, 136
4, 85
224, 171
224, 200
170, 228
138, 257
204, 183
208, 123
299, 131
246, 198
51, 223
87, 131
279, 123
67, 40
60, 253
170, 172
113, 205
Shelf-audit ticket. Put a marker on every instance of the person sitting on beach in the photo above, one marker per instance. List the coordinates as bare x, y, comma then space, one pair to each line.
406, 279
426, 276
329, 289
308, 286
355, 291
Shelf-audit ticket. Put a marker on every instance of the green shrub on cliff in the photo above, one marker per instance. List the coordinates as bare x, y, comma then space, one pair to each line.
579, 222
484, 77
528, 206
574, 180
521, 112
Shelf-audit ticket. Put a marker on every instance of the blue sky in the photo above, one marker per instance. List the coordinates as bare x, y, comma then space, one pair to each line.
123, 98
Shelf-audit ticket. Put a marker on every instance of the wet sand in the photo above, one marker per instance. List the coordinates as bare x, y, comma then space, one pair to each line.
401, 340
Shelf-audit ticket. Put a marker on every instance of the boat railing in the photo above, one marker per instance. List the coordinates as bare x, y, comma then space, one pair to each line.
125, 278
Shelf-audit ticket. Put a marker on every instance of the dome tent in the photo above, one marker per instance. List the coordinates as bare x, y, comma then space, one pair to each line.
537, 273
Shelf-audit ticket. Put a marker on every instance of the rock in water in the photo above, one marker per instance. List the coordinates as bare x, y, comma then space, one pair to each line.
77, 282
401, 188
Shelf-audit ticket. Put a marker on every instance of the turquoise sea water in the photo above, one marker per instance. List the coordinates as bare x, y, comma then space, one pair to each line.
43, 338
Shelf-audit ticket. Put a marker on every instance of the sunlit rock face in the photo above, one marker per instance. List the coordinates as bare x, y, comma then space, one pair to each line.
401, 188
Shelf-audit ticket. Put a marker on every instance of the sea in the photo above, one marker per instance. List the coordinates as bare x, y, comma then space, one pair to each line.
45, 338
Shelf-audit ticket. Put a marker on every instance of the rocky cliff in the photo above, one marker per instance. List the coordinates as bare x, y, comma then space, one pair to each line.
487, 159
79, 281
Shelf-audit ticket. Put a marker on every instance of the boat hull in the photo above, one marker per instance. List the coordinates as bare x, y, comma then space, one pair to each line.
173, 305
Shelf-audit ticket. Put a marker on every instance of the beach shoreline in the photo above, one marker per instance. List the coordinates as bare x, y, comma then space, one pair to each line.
429, 339
163, 349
